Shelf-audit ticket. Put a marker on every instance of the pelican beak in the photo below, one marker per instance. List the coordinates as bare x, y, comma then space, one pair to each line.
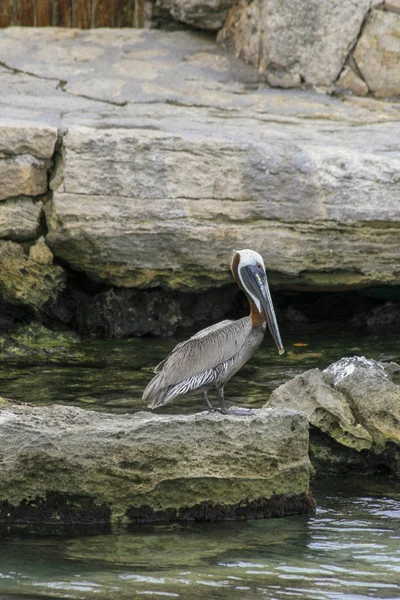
258, 286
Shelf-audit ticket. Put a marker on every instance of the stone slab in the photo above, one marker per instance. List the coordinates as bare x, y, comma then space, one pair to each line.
148, 467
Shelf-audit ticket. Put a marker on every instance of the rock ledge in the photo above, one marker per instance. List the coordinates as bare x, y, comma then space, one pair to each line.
64, 464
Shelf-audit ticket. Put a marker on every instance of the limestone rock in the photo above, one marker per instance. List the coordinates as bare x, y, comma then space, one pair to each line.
20, 219
351, 81
204, 14
27, 137
175, 154
325, 408
371, 395
378, 53
356, 402
141, 220
392, 6
148, 467
23, 175
307, 39
30, 279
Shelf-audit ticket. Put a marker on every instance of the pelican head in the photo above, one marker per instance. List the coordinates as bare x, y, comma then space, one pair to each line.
249, 271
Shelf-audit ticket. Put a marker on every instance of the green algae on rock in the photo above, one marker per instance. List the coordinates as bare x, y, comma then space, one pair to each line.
30, 280
147, 467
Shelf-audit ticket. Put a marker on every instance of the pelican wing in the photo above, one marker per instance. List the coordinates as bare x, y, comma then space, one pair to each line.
203, 351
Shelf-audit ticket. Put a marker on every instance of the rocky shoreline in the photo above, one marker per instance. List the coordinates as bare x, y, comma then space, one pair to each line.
98, 217
66, 465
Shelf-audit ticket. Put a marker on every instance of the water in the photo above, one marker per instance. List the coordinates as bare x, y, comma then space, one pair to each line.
111, 375
350, 549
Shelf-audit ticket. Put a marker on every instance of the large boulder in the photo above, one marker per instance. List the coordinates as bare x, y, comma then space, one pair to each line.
165, 153
290, 41
377, 53
70, 464
314, 209
355, 403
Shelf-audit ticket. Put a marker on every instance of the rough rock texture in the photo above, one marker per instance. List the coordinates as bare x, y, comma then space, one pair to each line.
350, 80
301, 37
165, 153
303, 205
392, 5
120, 313
30, 279
356, 402
204, 14
20, 219
147, 467
19, 136
23, 175
378, 53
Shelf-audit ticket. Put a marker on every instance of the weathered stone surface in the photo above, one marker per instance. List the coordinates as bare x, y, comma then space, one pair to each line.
23, 175
30, 279
305, 38
356, 402
351, 81
204, 14
174, 154
23, 137
147, 467
20, 219
145, 221
325, 408
392, 5
378, 53
372, 397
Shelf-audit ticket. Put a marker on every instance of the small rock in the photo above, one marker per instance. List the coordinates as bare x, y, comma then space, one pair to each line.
20, 219
349, 80
203, 14
23, 175
283, 80
19, 136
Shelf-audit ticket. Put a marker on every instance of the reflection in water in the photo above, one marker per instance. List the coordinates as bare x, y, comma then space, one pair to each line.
350, 549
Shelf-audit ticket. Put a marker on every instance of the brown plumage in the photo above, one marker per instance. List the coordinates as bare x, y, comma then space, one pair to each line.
213, 355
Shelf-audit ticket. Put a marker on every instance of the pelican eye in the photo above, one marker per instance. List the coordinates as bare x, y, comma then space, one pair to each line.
259, 266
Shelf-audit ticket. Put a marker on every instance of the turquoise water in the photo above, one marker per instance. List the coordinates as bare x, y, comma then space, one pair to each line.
349, 549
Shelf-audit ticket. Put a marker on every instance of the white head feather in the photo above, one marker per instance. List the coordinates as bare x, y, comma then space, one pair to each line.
249, 257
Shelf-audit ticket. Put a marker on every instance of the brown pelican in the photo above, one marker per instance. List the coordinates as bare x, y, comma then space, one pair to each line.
213, 355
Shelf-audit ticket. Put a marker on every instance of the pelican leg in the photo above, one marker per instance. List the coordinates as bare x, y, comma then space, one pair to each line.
232, 411
220, 397
207, 402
